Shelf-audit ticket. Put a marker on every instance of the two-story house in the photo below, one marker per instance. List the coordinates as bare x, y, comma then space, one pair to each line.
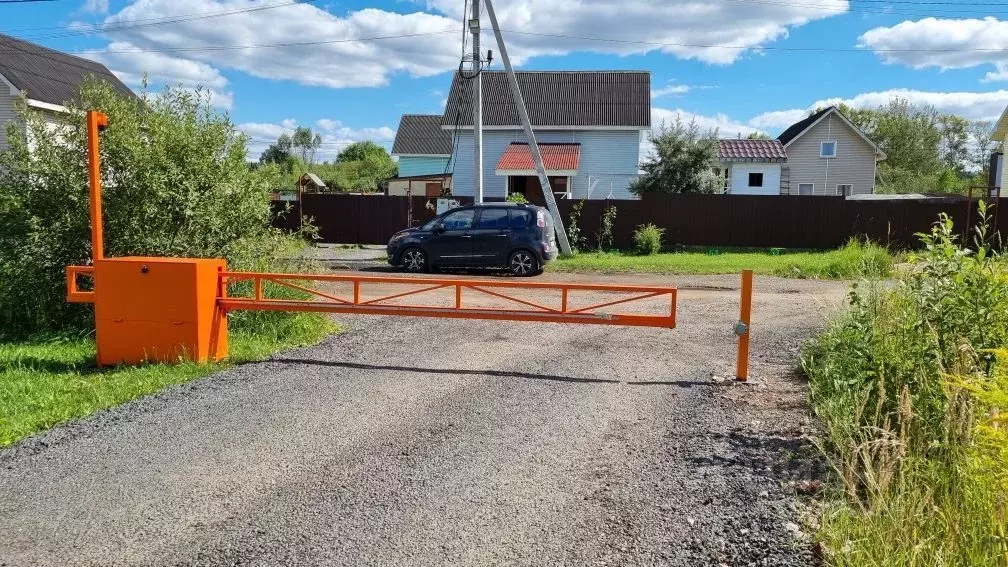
822, 154
47, 79
423, 150
589, 126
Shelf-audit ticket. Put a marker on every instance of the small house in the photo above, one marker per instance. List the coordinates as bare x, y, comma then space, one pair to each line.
423, 150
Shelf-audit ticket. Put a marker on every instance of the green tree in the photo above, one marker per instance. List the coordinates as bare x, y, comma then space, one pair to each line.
680, 161
280, 153
758, 136
306, 143
359, 151
953, 145
177, 183
980, 132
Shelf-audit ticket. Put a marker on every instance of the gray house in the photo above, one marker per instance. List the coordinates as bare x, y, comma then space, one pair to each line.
589, 126
46, 78
823, 154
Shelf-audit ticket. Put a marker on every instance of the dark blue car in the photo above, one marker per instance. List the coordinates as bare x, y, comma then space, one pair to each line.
518, 238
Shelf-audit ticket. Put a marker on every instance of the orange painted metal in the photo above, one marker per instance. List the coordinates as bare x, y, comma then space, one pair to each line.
745, 317
96, 121
524, 310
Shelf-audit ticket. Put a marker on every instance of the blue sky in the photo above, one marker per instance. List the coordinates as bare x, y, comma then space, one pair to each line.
737, 65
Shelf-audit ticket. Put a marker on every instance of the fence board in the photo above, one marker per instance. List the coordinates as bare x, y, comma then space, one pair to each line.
689, 220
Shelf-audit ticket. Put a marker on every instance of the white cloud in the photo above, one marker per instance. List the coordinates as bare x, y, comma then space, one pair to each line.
712, 32
726, 127
942, 43
670, 89
969, 105
96, 6
777, 119
335, 136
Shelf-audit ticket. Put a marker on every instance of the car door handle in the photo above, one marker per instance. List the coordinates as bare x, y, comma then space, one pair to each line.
503, 235
466, 236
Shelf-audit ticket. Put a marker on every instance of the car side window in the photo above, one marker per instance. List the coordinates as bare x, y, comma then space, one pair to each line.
459, 220
519, 218
493, 219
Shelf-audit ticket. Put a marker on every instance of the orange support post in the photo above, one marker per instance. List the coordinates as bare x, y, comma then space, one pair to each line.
742, 327
96, 122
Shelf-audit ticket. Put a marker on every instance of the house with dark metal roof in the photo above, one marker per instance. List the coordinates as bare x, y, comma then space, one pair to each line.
47, 79
589, 126
822, 154
423, 150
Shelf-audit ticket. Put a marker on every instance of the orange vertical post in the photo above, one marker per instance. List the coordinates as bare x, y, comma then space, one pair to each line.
742, 327
96, 122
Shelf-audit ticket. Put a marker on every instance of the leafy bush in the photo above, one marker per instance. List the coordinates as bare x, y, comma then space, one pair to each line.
574, 236
648, 239
605, 235
906, 386
516, 198
176, 183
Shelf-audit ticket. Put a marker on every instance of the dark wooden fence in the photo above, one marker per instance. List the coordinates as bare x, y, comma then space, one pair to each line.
689, 220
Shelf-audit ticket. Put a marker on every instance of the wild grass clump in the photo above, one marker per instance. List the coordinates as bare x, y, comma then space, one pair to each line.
910, 388
648, 239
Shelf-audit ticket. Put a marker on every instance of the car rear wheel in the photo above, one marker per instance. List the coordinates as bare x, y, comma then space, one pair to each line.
414, 260
523, 263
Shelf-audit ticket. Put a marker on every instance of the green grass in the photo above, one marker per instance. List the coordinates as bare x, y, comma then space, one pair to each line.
49, 381
852, 261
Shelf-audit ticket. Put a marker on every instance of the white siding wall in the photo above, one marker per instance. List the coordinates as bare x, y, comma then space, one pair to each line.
6, 113
610, 159
739, 173
854, 164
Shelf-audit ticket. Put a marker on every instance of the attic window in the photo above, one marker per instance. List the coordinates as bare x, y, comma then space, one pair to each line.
827, 149
755, 179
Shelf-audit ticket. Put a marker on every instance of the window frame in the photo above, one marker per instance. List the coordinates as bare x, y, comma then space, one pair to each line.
840, 193
526, 213
761, 178
472, 220
478, 223
823, 143
811, 189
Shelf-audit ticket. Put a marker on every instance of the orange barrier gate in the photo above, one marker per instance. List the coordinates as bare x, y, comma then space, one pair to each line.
523, 310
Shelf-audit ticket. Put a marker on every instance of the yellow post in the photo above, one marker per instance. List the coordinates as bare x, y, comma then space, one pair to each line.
742, 327
96, 122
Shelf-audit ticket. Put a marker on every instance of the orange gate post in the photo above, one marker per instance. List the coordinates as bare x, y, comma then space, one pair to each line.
96, 122
742, 327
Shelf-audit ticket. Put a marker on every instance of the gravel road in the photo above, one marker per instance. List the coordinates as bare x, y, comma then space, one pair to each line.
438, 442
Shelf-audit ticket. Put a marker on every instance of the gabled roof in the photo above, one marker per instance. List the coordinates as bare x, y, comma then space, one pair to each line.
1001, 127
556, 99
751, 150
421, 134
796, 130
46, 75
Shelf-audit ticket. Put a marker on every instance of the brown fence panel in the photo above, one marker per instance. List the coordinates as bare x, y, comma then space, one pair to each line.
688, 220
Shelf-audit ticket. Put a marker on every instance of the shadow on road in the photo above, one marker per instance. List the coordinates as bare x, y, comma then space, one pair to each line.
456, 371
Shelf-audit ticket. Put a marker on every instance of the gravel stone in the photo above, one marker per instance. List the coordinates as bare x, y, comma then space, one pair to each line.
448, 442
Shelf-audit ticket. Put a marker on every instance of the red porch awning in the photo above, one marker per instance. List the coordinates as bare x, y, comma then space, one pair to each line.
559, 159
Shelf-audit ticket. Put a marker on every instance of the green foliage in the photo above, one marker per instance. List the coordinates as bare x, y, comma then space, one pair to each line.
605, 235
854, 260
347, 173
574, 236
516, 198
648, 239
758, 136
360, 151
680, 162
280, 154
906, 388
306, 143
176, 183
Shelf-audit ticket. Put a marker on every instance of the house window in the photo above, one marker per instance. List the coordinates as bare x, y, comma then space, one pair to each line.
805, 188
844, 189
755, 179
827, 149
727, 180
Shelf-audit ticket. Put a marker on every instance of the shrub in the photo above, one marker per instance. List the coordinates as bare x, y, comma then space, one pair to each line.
176, 183
516, 198
605, 236
907, 388
648, 239
577, 241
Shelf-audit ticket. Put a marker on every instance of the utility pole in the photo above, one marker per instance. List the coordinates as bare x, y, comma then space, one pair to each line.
561, 233
477, 97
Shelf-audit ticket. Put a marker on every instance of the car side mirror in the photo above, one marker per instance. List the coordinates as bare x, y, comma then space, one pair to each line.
438, 228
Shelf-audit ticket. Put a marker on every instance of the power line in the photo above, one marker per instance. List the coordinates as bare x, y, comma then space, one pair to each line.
757, 47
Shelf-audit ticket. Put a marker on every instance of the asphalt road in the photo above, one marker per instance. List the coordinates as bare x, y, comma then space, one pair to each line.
439, 442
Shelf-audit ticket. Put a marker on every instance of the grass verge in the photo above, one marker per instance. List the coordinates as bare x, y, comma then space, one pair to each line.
46, 382
910, 387
854, 260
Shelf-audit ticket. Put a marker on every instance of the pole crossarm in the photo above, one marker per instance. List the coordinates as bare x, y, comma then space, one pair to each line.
519, 309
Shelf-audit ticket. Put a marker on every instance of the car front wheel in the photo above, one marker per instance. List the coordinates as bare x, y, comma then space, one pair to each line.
523, 263
414, 260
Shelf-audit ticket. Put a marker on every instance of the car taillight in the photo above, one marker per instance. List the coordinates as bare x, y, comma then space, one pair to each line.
540, 219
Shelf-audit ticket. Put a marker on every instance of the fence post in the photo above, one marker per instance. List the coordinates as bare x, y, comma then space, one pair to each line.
742, 327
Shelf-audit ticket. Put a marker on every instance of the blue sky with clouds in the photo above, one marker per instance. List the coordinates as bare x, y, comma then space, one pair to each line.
738, 65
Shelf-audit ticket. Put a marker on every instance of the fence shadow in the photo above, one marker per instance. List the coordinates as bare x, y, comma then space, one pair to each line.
452, 371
